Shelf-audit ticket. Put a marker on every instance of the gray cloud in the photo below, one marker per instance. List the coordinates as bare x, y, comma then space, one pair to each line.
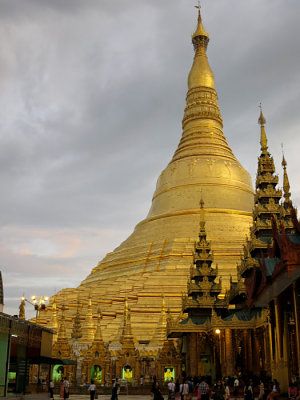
91, 100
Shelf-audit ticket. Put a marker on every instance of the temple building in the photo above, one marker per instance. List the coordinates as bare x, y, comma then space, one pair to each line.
254, 330
116, 322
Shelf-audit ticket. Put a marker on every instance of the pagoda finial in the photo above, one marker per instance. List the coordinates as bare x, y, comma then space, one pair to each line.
76, 332
22, 309
62, 327
263, 136
163, 303
200, 30
286, 183
202, 219
201, 74
89, 328
98, 333
53, 322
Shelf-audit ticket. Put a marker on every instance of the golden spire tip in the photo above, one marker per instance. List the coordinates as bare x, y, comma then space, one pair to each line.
261, 119
201, 201
283, 163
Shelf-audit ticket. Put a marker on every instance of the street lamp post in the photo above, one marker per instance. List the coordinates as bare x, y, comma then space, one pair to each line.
38, 302
218, 333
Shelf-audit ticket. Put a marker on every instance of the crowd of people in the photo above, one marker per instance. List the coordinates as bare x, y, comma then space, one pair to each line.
225, 389
229, 388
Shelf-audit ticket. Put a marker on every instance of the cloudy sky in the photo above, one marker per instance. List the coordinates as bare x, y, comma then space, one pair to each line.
92, 94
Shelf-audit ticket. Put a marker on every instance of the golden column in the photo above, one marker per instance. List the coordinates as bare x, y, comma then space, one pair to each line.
193, 354
249, 351
267, 350
223, 352
256, 352
297, 323
228, 350
277, 332
245, 347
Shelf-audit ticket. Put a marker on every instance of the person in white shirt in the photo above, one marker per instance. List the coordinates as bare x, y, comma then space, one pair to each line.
236, 385
171, 389
186, 391
92, 389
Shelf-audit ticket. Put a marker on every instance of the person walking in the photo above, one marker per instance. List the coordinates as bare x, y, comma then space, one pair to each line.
186, 390
51, 388
66, 388
261, 387
157, 393
92, 389
236, 385
275, 391
248, 391
115, 388
61, 389
204, 389
218, 391
171, 390
177, 389
227, 391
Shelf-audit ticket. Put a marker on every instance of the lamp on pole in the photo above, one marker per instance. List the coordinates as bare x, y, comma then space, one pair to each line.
38, 302
218, 333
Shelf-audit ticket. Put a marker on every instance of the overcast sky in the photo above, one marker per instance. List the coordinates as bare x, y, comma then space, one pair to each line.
92, 94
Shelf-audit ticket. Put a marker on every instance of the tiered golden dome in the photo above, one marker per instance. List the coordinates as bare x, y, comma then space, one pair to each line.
156, 257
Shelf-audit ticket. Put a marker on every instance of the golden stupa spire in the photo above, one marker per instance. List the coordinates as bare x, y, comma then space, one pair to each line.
98, 333
88, 328
263, 136
53, 321
160, 333
286, 183
202, 219
62, 327
76, 331
127, 321
201, 73
22, 309
200, 31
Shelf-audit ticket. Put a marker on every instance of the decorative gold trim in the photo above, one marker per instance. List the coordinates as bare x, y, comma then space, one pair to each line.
202, 184
196, 211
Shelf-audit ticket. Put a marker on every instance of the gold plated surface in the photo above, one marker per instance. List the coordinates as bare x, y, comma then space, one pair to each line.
156, 257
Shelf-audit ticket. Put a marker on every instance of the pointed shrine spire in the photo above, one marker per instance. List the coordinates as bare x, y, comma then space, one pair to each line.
62, 326
89, 328
22, 309
200, 31
53, 322
201, 73
76, 332
98, 333
160, 333
202, 219
263, 136
286, 183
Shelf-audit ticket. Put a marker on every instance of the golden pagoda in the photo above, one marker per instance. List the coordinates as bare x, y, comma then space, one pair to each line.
155, 259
